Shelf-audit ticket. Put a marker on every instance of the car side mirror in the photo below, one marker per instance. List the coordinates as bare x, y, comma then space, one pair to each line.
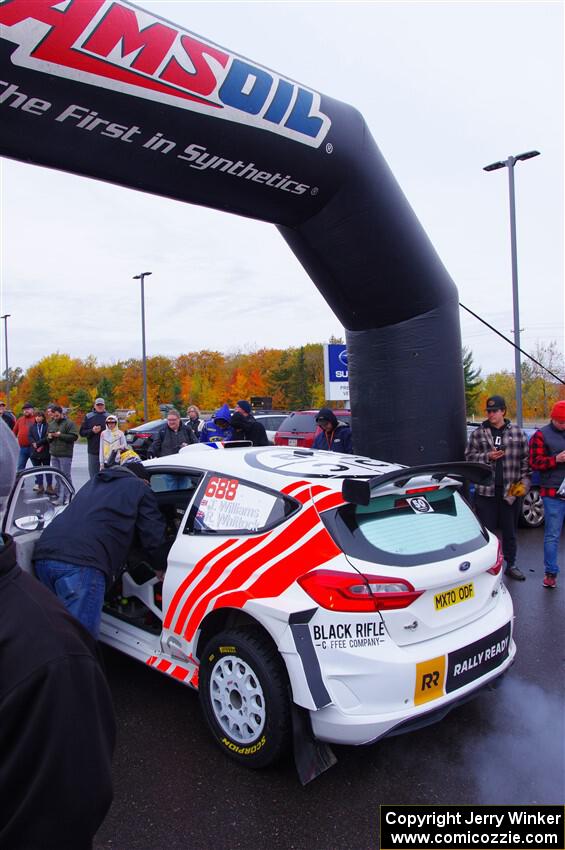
28, 523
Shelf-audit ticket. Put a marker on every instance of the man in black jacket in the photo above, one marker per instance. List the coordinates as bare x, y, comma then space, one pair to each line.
92, 426
82, 550
173, 436
56, 716
246, 426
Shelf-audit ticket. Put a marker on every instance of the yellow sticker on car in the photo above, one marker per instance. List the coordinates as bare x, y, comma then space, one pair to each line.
454, 596
430, 679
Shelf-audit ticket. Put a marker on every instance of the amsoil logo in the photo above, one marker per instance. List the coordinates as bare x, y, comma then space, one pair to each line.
111, 44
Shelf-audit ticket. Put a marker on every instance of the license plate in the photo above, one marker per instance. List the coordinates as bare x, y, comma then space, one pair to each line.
292, 442
454, 596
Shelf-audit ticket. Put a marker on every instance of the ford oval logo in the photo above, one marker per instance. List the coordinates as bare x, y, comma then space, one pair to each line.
464, 566
342, 357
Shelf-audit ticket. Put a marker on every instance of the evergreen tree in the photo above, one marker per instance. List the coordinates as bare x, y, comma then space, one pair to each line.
80, 401
40, 392
177, 400
105, 390
299, 389
473, 381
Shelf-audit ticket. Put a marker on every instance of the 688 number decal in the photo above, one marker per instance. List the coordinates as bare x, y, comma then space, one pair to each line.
222, 488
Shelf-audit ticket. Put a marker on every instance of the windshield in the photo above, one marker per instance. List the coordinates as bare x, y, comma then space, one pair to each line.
407, 530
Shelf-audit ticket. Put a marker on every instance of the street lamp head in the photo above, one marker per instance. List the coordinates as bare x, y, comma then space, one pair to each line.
527, 155
494, 166
139, 276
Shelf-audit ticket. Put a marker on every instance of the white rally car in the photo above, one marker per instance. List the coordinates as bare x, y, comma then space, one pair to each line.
336, 595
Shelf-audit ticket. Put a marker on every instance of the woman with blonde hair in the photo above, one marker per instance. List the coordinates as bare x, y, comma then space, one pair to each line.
195, 423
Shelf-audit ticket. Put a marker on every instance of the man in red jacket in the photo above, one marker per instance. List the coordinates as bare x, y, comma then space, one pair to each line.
21, 431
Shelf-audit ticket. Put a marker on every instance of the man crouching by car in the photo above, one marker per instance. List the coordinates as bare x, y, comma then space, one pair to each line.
81, 551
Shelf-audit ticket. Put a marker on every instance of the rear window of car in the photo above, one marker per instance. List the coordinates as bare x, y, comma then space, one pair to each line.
407, 530
154, 425
299, 422
271, 423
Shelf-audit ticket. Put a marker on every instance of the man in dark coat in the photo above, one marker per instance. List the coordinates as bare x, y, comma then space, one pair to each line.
246, 426
82, 550
334, 436
56, 712
7, 415
92, 426
173, 436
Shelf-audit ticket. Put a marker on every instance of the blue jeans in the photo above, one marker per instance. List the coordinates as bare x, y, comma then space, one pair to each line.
80, 589
554, 514
64, 464
23, 457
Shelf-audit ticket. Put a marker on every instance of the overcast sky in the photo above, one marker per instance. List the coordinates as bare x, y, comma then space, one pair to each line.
445, 89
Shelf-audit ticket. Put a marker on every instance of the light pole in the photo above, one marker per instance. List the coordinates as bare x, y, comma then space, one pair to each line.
142, 277
494, 166
6, 316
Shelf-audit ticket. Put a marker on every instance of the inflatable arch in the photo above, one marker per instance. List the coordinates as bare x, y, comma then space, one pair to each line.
103, 89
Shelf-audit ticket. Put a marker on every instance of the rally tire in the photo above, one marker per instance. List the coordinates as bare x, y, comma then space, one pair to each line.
244, 694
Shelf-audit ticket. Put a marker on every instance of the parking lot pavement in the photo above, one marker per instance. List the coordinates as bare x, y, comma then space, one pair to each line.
175, 789
79, 468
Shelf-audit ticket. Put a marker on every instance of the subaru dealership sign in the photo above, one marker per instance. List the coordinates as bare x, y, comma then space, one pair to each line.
336, 375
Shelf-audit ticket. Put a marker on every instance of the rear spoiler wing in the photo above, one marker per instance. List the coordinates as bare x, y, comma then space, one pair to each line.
358, 490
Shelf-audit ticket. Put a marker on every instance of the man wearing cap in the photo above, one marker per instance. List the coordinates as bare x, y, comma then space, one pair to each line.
92, 426
504, 447
62, 434
81, 551
547, 455
7, 416
246, 426
334, 436
21, 431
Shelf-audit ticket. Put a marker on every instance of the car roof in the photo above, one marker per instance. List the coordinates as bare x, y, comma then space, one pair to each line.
275, 466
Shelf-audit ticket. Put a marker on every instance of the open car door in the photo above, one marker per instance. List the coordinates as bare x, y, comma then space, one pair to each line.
36, 498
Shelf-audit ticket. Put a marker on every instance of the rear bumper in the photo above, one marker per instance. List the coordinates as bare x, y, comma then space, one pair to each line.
335, 726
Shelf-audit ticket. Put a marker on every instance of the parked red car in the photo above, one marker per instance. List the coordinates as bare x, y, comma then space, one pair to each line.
299, 428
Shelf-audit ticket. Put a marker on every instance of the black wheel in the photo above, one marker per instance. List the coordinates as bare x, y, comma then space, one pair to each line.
245, 697
531, 509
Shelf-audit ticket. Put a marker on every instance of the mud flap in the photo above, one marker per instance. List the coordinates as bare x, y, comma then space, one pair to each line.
311, 757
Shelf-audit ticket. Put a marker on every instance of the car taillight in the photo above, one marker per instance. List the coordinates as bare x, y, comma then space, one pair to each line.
139, 436
346, 592
497, 566
422, 490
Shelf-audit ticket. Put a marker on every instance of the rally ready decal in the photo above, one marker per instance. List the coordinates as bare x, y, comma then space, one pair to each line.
434, 678
114, 45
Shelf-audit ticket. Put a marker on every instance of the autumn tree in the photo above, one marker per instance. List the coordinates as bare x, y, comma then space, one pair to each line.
540, 389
